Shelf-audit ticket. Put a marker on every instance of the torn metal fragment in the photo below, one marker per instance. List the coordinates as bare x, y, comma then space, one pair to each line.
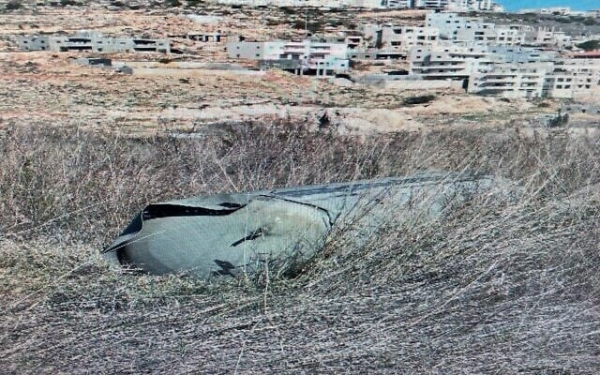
237, 234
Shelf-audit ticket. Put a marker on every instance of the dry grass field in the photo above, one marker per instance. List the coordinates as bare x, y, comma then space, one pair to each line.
499, 285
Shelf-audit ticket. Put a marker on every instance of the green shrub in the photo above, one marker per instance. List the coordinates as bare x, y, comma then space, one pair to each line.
590, 45
559, 120
419, 99
14, 5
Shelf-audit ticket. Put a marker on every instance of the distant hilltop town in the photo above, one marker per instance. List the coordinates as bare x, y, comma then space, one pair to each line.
450, 5
562, 11
449, 50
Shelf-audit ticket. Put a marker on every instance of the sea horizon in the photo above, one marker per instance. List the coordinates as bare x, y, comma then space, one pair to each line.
581, 5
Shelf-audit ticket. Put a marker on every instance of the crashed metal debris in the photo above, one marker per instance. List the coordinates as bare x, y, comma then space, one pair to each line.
239, 234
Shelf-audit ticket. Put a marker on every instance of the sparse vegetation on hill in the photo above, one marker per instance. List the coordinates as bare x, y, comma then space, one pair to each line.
500, 285
590, 45
13, 5
419, 99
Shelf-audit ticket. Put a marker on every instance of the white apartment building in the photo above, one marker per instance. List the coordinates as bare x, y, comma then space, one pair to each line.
470, 30
450, 23
275, 50
521, 55
510, 80
458, 5
313, 55
399, 4
91, 41
561, 84
433, 4
448, 61
491, 70
400, 38
563, 11
470, 5
308, 3
489, 36
572, 78
549, 37
453, 5
255, 50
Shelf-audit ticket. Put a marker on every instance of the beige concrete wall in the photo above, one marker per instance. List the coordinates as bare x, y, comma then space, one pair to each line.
424, 85
191, 72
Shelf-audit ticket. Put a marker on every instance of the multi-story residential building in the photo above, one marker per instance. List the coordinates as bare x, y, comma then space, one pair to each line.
453, 62
470, 30
470, 5
399, 4
459, 5
256, 50
215, 37
400, 38
433, 4
548, 37
298, 50
488, 70
321, 57
562, 84
572, 78
489, 36
33, 42
563, 11
310, 3
450, 23
453, 5
521, 55
90, 41
510, 80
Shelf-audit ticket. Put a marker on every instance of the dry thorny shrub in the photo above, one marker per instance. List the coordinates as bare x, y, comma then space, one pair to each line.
498, 285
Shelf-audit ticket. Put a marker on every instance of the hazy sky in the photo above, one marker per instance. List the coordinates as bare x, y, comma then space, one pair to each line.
573, 4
